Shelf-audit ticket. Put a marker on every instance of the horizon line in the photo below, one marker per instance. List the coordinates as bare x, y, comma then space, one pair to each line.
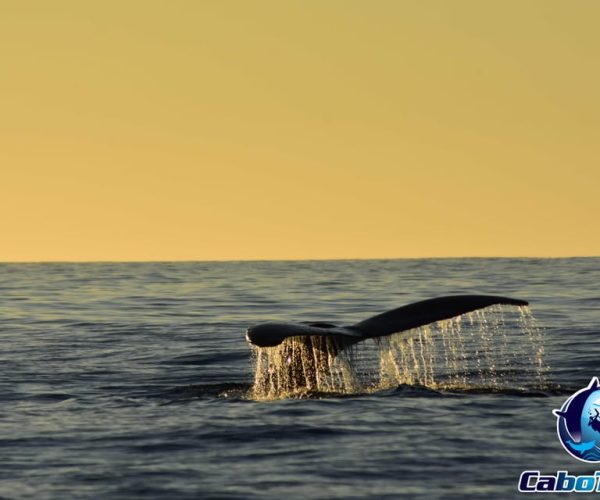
334, 259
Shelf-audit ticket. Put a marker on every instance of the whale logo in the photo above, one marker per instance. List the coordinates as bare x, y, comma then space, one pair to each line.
578, 423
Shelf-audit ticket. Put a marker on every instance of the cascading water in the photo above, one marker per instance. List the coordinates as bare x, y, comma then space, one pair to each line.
488, 348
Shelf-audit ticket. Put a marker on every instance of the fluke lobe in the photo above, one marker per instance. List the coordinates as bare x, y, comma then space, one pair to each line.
397, 320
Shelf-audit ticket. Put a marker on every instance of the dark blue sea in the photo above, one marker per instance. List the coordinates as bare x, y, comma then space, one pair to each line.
133, 380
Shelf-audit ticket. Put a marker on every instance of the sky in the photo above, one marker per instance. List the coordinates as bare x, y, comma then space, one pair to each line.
218, 130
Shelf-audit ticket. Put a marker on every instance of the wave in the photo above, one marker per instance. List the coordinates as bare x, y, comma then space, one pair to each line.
236, 391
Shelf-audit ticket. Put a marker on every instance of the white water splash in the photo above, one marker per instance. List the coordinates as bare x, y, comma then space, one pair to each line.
488, 348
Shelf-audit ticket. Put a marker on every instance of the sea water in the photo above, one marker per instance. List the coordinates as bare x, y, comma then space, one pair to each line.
134, 380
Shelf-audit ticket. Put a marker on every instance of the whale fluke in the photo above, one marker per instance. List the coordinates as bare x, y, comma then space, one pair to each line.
390, 322
274, 333
428, 311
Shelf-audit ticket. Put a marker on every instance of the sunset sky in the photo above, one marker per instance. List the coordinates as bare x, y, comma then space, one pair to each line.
213, 130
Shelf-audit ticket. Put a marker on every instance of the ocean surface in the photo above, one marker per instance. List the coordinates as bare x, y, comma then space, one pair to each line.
134, 380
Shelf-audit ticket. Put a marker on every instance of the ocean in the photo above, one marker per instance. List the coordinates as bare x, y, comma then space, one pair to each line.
134, 380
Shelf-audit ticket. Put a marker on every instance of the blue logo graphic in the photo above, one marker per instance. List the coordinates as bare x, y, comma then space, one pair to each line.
578, 424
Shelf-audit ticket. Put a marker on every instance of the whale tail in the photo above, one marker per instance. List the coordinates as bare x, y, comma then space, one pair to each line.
426, 312
394, 321
301, 355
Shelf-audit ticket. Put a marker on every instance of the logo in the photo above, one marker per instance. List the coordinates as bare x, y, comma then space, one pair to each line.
578, 423
531, 481
578, 429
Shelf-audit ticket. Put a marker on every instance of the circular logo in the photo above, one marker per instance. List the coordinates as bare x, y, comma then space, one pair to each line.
578, 423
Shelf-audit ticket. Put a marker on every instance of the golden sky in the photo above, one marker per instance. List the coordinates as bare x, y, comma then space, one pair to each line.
284, 129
